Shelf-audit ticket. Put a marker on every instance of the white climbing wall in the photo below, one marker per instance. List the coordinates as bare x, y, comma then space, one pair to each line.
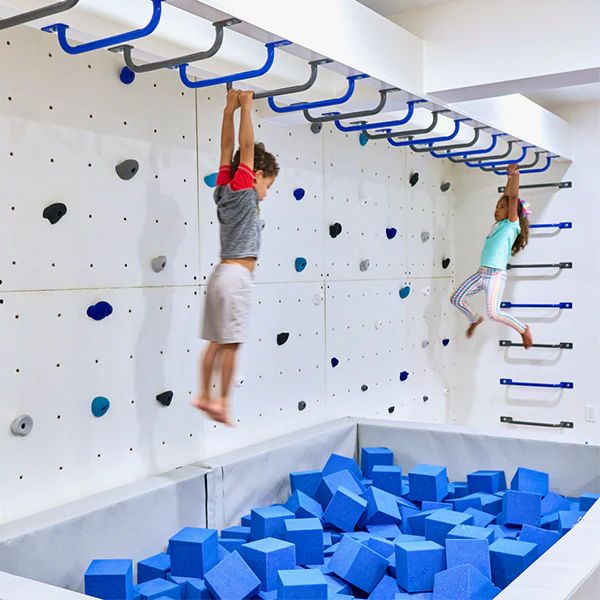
65, 122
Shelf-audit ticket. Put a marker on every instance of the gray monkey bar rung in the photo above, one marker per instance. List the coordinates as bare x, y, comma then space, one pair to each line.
563, 424
38, 13
179, 60
560, 345
560, 185
560, 265
314, 66
430, 147
401, 134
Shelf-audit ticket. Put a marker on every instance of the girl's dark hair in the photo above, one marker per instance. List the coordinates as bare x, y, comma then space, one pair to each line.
263, 161
523, 237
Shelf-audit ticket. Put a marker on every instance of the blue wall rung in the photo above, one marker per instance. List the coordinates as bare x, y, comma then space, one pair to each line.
562, 225
566, 385
561, 305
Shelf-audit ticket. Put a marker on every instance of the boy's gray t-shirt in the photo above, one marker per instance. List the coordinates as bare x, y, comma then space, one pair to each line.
239, 218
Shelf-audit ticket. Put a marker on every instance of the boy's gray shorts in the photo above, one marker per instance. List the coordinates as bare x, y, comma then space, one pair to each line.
227, 306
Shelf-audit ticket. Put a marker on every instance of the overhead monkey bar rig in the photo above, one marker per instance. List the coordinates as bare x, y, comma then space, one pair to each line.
38, 13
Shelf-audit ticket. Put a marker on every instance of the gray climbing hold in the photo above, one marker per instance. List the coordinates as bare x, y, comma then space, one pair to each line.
424, 344
364, 264
316, 127
425, 398
159, 263
261, 224
364, 387
127, 169
335, 229
301, 405
414, 178
445, 187
22, 425
424, 236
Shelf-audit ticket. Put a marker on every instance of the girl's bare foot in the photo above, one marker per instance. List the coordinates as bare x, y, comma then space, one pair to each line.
202, 402
473, 326
220, 413
527, 337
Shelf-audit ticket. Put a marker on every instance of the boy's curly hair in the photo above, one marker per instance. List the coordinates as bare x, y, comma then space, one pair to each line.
523, 237
263, 161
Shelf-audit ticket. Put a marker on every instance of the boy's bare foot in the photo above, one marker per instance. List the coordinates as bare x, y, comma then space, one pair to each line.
527, 337
220, 413
472, 327
202, 402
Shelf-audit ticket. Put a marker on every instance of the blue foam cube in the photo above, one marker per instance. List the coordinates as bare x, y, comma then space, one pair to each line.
331, 483
586, 501
509, 558
192, 588
567, 519
520, 508
231, 544
303, 506
382, 507
480, 518
501, 531
441, 522
337, 462
232, 579
486, 481
405, 514
407, 596
428, 505
417, 563
552, 503
386, 589
305, 481
529, 480
345, 509
157, 566
405, 537
369, 457
156, 588
269, 522
388, 478
194, 551
470, 532
246, 520
237, 532
457, 489
384, 531
383, 547
464, 582
265, 557
428, 482
302, 584
417, 521
307, 536
335, 585
489, 503
544, 538
357, 564
469, 552
110, 579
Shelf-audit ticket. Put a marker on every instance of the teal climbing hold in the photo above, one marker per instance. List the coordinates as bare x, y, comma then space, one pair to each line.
405, 291
363, 139
403, 375
299, 193
100, 406
300, 264
211, 180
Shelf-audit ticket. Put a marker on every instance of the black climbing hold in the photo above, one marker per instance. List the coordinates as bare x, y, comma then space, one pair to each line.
445, 187
335, 230
445, 263
334, 362
127, 169
413, 179
159, 263
403, 375
391, 409
99, 311
364, 387
165, 398
22, 425
301, 405
100, 406
316, 127
55, 212
299, 193
445, 341
425, 398
300, 264
282, 338
391, 232
127, 76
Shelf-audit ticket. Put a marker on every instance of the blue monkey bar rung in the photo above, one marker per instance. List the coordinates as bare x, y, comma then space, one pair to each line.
562, 424
561, 225
61, 30
564, 385
38, 13
561, 305
540, 170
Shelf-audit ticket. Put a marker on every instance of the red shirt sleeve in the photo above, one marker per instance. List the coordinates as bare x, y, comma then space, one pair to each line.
224, 175
243, 178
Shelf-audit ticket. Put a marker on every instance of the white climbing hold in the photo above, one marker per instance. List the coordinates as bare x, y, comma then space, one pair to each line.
426, 291
378, 324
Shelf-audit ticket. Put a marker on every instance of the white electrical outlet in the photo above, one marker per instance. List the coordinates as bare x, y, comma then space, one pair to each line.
590, 413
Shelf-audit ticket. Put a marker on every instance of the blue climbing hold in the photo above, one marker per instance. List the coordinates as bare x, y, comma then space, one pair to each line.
363, 139
300, 264
211, 180
334, 362
391, 233
299, 193
405, 291
99, 311
445, 341
100, 405
127, 76
403, 375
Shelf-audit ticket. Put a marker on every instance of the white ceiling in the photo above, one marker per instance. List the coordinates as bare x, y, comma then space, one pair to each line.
393, 7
